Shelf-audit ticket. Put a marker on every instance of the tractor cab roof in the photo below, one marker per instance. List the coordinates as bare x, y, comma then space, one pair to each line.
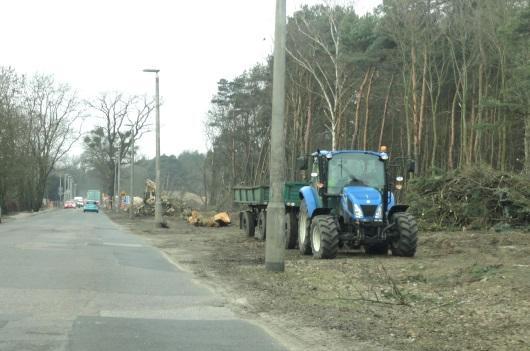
325, 153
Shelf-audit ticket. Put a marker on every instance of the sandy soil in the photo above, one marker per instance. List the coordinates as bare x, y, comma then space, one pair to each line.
462, 291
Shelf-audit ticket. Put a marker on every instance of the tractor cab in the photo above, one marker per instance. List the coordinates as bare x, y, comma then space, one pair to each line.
350, 191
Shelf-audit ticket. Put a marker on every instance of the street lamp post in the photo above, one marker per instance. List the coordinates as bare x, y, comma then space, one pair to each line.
131, 195
158, 203
118, 185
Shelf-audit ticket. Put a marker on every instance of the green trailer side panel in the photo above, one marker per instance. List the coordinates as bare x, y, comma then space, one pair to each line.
259, 195
291, 194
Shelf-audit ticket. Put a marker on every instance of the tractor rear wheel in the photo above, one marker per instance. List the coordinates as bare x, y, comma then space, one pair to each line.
261, 226
291, 230
324, 237
248, 223
406, 241
304, 224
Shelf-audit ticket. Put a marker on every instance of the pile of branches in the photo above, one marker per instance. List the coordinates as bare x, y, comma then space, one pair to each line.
170, 206
473, 198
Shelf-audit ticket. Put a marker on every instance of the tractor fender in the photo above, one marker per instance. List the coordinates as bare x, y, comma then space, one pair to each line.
310, 196
396, 209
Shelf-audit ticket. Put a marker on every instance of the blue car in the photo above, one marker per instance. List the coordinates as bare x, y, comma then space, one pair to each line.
91, 206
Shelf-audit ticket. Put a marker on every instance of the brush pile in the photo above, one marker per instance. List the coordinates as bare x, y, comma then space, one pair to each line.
473, 198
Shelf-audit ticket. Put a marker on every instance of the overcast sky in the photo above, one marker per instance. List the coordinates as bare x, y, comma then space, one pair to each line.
103, 45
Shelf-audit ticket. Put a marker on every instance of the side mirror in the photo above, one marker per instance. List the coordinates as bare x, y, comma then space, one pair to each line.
411, 167
301, 163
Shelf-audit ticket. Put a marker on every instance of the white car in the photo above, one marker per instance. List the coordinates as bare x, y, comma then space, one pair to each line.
79, 201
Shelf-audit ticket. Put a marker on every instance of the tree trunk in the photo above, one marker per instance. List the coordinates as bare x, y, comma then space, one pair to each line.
358, 98
450, 164
385, 110
527, 143
308, 124
422, 110
367, 110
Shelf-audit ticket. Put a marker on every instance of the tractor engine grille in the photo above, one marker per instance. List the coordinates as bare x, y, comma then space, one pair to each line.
369, 210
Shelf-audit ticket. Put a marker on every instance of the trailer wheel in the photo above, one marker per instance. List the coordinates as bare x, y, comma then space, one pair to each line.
248, 224
324, 237
304, 223
406, 241
291, 230
261, 226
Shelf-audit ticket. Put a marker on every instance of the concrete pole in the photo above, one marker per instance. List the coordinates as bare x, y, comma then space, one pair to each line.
118, 189
131, 191
70, 183
275, 244
114, 188
65, 188
158, 202
61, 191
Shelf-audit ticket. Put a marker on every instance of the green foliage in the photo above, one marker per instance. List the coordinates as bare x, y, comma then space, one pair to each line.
477, 197
443, 82
36, 130
184, 172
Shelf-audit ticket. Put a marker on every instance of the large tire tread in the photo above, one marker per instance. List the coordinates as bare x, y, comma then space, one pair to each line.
261, 226
329, 237
304, 246
405, 244
291, 230
248, 223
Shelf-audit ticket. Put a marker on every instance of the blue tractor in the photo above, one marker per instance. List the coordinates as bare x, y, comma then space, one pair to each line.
350, 202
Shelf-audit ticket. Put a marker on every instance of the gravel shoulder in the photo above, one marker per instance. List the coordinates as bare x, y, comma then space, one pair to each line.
463, 290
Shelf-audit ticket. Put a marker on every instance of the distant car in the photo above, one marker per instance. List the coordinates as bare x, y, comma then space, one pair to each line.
69, 204
91, 206
79, 201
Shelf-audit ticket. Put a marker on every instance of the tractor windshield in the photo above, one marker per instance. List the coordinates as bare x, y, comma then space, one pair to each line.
355, 169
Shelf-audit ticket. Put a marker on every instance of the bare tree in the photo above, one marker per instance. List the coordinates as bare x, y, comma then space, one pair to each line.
123, 119
52, 111
332, 75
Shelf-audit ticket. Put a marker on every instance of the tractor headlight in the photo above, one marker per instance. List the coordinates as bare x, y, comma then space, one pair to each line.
379, 213
357, 211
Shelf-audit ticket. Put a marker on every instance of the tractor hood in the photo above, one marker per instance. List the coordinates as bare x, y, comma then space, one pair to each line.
362, 195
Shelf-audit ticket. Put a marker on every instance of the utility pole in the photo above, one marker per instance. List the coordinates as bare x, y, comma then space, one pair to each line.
114, 188
65, 194
158, 203
131, 192
70, 183
118, 199
61, 193
275, 244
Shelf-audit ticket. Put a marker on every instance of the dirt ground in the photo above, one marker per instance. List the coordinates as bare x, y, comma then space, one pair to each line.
463, 290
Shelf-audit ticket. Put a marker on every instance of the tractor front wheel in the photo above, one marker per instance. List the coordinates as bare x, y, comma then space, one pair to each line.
304, 223
324, 237
404, 244
261, 226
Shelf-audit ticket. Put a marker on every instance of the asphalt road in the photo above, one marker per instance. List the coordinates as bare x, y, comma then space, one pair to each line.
74, 281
